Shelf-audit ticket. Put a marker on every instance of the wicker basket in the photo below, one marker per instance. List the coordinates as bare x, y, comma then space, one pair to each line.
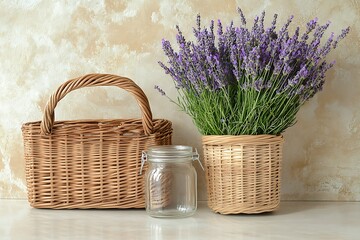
243, 173
91, 163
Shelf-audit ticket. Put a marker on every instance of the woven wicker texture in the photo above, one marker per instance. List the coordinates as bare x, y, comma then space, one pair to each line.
91, 163
243, 173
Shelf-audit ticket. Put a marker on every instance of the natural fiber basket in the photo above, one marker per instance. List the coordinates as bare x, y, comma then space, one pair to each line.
243, 173
91, 163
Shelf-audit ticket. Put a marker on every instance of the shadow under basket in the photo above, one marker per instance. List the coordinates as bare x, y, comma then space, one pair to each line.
243, 173
90, 163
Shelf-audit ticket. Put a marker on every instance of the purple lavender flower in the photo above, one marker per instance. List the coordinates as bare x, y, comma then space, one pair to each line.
261, 22
259, 84
343, 34
283, 32
270, 31
160, 90
310, 26
243, 20
255, 57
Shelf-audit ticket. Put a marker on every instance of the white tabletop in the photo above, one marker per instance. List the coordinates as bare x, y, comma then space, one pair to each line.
294, 220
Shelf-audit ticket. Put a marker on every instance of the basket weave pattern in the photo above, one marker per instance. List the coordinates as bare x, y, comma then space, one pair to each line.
90, 163
243, 173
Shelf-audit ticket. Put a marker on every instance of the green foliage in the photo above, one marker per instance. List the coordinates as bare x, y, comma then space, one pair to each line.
233, 110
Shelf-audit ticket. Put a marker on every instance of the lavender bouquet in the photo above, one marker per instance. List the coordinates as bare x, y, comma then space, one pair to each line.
248, 81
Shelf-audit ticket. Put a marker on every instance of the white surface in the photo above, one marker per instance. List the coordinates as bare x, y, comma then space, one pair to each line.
294, 220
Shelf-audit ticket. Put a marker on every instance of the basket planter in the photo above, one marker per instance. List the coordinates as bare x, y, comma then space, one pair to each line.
243, 173
90, 163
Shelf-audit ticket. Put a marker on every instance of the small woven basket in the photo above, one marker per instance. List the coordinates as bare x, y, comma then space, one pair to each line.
243, 173
91, 163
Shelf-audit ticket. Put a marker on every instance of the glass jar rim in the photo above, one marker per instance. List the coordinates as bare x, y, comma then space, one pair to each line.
170, 152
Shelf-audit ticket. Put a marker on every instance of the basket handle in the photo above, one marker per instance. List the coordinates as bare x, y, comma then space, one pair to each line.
92, 80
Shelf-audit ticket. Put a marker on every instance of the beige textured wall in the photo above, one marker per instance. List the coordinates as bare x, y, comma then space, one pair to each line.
43, 43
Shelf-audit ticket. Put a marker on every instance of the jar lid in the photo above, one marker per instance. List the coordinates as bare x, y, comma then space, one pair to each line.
169, 151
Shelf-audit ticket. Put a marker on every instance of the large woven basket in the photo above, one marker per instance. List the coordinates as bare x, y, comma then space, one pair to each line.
243, 173
91, 163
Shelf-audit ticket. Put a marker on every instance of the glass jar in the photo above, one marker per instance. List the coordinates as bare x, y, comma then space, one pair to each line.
170, 181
